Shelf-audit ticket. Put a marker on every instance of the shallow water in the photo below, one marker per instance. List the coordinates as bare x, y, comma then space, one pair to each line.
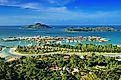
15, 31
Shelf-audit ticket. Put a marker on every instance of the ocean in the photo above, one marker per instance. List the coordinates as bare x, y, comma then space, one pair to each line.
17, 31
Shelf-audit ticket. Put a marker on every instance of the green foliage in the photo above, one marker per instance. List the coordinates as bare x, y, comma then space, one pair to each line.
61, 67
68, 48
2, 59
37, 26
94, 29
90, 47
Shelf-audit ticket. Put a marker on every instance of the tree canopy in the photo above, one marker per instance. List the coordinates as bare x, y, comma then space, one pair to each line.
61, 67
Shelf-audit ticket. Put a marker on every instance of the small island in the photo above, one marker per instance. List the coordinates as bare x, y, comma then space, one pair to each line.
92, 29
37, 26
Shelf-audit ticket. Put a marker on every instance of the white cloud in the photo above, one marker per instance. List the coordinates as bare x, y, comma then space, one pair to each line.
54, 9
60, 2
14, 3
64, 17
36, 5
30, 5
61, 13
8, 3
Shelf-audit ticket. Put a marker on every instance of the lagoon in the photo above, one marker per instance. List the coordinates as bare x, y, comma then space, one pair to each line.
16, 31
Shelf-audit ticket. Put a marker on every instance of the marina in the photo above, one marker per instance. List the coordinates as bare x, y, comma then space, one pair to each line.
49, 39
16, 36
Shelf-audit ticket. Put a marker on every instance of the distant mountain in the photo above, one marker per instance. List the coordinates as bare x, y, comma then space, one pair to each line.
37, 26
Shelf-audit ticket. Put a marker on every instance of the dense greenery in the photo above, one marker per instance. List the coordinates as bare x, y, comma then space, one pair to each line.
68, 48
37, 26
39, 49
2, 59
61, 67
94, 29
90, 47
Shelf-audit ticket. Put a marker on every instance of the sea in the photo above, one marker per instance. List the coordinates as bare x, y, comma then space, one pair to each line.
17, 31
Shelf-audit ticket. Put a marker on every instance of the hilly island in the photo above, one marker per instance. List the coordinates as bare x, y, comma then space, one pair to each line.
37, 26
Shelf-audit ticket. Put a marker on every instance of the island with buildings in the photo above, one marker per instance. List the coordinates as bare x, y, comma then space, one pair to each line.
57, 39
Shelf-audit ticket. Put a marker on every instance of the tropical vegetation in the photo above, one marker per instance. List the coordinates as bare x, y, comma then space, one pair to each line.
64, 48
90, 47
61, 67
37, 26
93, 29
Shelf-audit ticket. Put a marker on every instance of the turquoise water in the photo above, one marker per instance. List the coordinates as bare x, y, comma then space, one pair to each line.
16, 43
6, 52
15, 31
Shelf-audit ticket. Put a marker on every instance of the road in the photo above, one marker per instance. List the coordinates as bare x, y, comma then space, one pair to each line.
11, 52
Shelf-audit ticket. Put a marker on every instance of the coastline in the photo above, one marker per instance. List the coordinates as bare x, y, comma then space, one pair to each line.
2, 54
115, 37
12, 51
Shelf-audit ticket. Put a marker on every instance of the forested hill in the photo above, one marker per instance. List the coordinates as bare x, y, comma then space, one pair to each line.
61, 67
37, 26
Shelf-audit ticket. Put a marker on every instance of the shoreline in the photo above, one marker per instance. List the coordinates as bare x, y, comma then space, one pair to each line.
12, 51
2, 54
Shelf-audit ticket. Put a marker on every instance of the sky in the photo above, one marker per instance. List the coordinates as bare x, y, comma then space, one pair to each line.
60, 12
